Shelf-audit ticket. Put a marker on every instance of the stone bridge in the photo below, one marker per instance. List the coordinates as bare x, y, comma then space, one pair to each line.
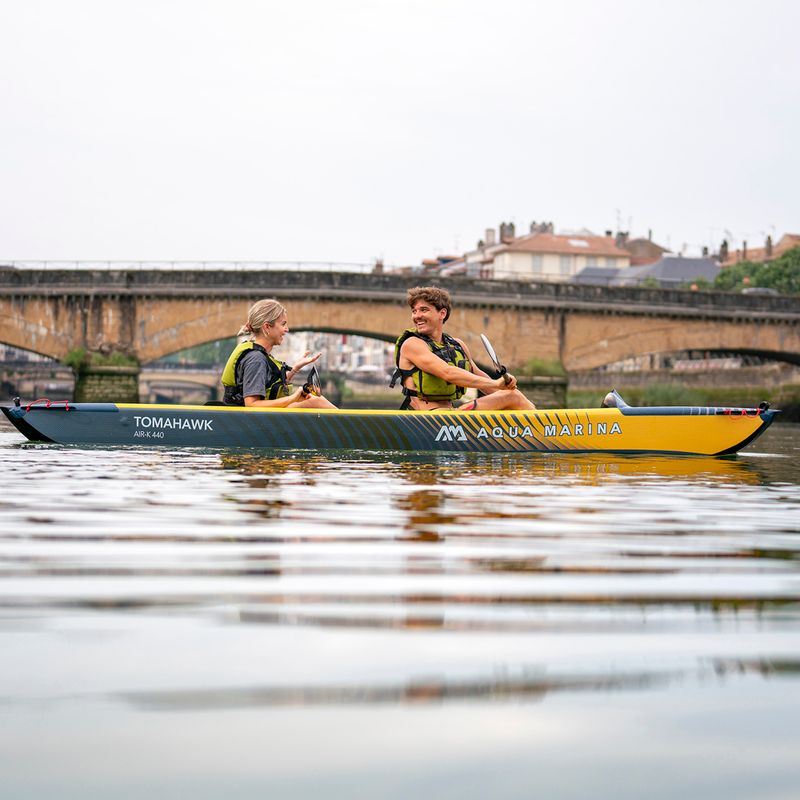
152, 313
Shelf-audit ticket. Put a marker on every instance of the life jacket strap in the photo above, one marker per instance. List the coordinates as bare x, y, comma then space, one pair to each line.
409, 393
400, 374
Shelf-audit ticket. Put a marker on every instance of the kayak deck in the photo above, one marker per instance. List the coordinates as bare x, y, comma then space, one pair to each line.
623, 429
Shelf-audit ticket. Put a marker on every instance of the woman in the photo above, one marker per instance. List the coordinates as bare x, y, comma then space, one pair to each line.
254, 377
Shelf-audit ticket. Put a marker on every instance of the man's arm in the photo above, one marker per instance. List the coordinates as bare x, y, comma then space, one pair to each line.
417, 353
508, 381
475, 368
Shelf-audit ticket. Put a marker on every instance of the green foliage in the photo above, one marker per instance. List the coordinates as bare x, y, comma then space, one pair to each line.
782, 397
80, 358
649, 283
782, 274
112, 360
542, 366
216, 352
77, 358
701, 283
671, 394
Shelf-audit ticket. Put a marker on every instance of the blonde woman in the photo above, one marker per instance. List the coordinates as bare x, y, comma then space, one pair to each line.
254, 377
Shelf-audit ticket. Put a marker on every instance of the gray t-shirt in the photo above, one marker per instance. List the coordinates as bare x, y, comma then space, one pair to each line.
255, 371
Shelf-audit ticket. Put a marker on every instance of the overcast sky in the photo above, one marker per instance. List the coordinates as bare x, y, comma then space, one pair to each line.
352, 130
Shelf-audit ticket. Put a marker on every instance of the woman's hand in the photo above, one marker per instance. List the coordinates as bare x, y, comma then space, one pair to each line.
308, 358
297, 396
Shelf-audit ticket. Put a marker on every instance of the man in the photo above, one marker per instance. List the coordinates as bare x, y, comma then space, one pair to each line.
435, 368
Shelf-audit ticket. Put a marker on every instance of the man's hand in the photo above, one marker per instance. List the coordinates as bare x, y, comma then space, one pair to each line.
506, 381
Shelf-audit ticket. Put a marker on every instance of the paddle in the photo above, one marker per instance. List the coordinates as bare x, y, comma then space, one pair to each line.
312, 385
495, 360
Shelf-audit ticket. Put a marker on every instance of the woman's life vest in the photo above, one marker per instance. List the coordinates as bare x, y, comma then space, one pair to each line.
233, 374
427, 386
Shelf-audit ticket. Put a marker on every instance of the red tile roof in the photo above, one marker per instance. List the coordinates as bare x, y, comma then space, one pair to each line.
566, 244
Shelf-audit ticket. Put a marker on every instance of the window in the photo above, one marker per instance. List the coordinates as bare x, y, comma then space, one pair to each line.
536, 263
611, 261
566, 265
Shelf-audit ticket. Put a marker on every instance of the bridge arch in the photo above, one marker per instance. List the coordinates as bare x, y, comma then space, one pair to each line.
593, 341
177, 326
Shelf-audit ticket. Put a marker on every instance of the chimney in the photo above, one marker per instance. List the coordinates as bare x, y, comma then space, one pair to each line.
622, 237
649, 234
744, 250
533, 227
768, 247
489, 238
506, 232
608, 234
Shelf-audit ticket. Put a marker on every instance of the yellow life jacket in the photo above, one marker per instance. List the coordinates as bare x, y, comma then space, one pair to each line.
233, 375
427, 386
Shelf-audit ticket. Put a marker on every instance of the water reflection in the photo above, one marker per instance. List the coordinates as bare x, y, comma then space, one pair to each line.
531, 683
431, 469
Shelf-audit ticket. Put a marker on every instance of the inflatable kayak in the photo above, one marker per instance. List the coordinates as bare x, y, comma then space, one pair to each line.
619, 429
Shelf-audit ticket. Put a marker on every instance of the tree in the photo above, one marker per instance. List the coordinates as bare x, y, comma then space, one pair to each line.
782, 274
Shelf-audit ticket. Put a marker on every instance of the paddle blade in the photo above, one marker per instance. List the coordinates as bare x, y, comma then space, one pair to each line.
313, 385
314, 380
490, 350
495, 360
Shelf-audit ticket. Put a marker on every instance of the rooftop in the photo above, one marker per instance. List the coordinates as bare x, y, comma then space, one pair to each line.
574, 244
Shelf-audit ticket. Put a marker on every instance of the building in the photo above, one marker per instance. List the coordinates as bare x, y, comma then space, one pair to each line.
342, 353
539, 255
668, 272
768, 252
643, 251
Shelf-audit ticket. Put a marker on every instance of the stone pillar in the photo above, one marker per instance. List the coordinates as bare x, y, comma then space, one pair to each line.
544, 391
109, 384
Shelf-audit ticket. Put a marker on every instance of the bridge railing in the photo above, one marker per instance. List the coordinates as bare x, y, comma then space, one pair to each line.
203, 266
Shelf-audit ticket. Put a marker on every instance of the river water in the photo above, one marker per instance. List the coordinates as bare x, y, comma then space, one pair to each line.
204, 624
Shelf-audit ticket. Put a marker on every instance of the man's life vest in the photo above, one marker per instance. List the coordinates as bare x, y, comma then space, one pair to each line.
427, 386
233, 374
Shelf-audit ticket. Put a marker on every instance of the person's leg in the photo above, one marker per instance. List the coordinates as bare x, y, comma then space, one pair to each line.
313, 401
501, 400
